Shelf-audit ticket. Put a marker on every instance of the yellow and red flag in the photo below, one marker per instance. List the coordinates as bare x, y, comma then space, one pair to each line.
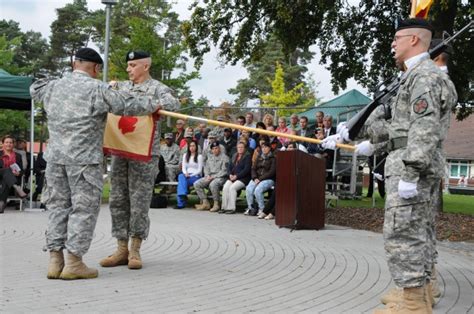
129, 136
420, 8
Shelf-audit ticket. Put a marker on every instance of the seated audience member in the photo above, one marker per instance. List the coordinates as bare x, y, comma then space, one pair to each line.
39, 170
212, 137
229, 142
240, 121
274, 142
191, 171
316, 149
462, 181
219, 130
252, 143
268, 120
294, 122
258, 150
255, 135
188, 135
249, 120
20, 148
305, 130
282, 128
171, 154
269, 210
239, 176
11, 170
204, 141
199, 131
263, 178
328, 128
295, 146
179, 133
215, 174
320, 119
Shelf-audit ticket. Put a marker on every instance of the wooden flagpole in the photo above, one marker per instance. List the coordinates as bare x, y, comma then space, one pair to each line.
413, 8
254, 130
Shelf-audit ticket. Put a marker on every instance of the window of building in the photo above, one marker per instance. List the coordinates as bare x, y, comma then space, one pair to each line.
458, 168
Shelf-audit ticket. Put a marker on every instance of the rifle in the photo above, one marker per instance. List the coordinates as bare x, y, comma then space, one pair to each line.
356, 123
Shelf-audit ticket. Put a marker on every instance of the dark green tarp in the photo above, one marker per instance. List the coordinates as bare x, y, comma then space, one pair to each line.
352, 101
14, 91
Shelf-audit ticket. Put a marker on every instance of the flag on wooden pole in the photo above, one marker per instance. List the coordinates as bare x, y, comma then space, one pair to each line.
420, 8
129, 136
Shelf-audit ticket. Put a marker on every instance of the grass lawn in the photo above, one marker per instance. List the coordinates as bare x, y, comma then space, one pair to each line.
460, 204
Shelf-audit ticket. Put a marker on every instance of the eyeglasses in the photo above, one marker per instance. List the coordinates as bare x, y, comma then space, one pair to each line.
397, 37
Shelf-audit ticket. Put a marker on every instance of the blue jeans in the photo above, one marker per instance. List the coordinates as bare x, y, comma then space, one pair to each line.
183, 184
254, 190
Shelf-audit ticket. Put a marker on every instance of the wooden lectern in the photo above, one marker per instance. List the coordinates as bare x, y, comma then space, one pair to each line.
300, 188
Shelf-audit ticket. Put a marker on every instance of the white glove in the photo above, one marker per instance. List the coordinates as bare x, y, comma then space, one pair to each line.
378, 176
331, 141
365, 148
407, 190
343, 131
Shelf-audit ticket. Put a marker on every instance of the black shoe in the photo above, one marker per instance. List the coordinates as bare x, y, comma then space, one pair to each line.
221, 211
179, 207
230, 212
253, 212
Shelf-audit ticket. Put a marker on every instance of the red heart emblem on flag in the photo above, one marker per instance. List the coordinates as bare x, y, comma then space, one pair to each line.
127, 124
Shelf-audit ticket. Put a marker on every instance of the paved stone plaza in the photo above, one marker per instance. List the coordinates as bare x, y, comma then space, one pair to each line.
204, 262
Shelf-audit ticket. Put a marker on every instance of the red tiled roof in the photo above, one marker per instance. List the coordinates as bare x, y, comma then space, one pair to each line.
460, 141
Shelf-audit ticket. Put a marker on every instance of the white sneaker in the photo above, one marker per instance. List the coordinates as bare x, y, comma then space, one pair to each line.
261, 215
269, 216
247, 212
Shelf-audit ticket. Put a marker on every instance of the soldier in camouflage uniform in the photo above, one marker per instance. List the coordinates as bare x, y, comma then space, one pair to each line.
419, 125
215, 175
170, 152
207, 152
77, 107
132, 182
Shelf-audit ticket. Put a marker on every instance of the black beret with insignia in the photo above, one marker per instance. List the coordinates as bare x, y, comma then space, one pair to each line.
88, 54
136, 55
413, 23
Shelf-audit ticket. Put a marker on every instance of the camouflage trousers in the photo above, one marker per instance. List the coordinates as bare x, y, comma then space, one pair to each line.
172, 172
132, 184
74, 194
215, 186
409, 233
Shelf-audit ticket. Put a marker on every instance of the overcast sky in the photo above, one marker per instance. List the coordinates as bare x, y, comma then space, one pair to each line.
215, 80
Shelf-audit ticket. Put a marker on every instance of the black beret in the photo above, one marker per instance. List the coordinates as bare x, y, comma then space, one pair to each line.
412, 23
445, 48
136, 55
215, 144
88, 54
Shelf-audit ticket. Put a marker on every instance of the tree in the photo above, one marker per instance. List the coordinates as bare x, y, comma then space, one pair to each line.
280, 97
70, 31
136, 25
354, 39
257, 83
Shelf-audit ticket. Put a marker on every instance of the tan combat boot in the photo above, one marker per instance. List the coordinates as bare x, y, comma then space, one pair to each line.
119, 257
198, 206
414, 301
215, 207
76, 269
134, 259
56, 264
205, 205
395, 295
435, 291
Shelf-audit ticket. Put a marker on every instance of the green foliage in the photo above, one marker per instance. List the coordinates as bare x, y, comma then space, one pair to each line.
7, 52
280, 97
70, 31
294, 66
354, 39
151, 26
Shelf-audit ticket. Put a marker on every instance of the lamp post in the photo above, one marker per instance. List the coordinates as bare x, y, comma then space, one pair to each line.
108, 9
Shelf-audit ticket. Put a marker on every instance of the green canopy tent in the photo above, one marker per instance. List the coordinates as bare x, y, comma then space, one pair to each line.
340, 108
15, 94
14, 91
